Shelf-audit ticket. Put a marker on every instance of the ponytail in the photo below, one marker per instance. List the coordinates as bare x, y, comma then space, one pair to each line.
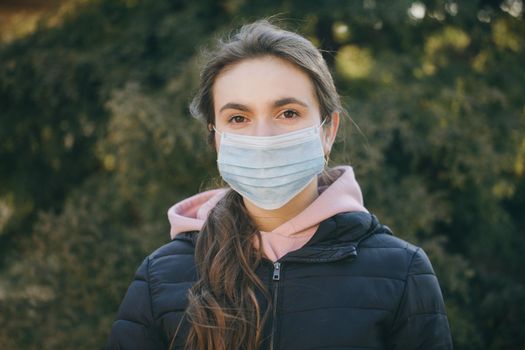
223, 309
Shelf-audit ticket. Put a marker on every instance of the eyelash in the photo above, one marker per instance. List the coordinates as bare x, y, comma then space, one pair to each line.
296, 114
233, 117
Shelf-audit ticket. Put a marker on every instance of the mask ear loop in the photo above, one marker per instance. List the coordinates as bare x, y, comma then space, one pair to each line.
217, 131
322, 123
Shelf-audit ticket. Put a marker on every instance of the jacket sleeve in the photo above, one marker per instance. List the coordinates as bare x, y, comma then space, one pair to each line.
420, 321
134, 327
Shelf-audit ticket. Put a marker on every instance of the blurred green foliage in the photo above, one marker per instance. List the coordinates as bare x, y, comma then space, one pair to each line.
96, 143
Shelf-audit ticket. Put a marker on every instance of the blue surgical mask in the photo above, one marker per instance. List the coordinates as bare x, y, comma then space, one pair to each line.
271, 170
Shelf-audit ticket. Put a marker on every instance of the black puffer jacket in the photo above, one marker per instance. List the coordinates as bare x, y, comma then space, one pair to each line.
352, 286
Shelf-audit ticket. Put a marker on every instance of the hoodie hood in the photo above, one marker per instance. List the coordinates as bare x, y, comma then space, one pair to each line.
343, 195
190, 214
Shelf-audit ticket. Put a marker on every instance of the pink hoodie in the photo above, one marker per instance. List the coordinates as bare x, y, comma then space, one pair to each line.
343, 195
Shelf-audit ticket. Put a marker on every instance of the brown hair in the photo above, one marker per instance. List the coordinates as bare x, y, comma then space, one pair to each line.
223, 309
264, 39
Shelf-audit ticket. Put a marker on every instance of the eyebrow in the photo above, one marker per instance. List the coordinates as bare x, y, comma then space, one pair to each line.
289, 100
279, 103
232, 105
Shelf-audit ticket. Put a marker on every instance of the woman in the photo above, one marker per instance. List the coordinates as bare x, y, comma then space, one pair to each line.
288, 258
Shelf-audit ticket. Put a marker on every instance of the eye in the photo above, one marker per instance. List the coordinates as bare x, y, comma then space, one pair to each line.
290, 114
237, 119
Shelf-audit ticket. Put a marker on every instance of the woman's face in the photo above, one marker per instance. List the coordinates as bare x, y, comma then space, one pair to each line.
264, 97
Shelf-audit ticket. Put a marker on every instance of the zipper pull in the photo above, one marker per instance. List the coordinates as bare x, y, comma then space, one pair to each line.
276, 271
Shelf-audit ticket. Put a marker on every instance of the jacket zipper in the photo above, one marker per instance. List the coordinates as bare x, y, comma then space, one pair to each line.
276, 277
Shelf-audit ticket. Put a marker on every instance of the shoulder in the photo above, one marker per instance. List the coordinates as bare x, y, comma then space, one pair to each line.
174, 261
159, 287
168, 273
396, 255
182, 244
420, 315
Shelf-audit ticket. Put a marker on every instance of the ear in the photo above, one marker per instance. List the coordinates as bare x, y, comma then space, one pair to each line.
330, 132
213, 141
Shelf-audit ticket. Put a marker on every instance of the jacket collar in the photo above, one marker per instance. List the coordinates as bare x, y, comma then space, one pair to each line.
336, 238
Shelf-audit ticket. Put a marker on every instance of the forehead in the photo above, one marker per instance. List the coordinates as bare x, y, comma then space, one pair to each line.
262, 80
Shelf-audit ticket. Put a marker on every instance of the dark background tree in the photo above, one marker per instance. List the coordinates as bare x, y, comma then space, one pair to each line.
96, 143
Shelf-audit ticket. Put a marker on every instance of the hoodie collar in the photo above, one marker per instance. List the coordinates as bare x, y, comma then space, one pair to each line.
343, 195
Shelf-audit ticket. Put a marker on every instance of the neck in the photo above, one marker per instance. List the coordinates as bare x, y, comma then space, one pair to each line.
268, 220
